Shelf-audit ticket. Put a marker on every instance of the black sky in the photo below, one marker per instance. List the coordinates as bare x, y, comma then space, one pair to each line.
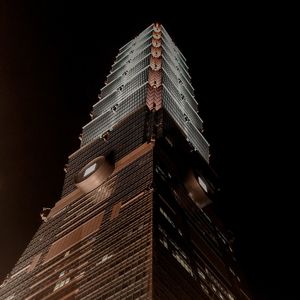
54, 58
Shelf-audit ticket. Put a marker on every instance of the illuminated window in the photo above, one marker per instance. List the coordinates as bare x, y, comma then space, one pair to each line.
202, 183
61, 283
164, 242
230, 297
104, 259
231, 271
201, 274
89, 170
204, 288
221, 296
183, 262
166, 216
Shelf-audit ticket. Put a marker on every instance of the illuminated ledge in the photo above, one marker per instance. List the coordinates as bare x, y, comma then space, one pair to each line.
74, 237
63, 202
132, 156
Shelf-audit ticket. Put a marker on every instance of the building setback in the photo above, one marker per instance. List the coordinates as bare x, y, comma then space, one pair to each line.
135, 219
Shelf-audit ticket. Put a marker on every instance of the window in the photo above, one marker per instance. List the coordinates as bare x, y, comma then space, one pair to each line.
104, 259
204, 288
230, 297
166, 216
232, 271
201, 274
221, 296
89, 170
202, 184
61, 283
178, 254
183, 262
163, 240
169, 141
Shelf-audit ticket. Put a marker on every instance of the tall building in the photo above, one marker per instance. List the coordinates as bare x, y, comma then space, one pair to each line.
135, 218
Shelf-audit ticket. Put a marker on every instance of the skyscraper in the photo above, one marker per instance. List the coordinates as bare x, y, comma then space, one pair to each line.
135, 218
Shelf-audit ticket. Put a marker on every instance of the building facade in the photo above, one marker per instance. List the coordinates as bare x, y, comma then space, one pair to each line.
135, 218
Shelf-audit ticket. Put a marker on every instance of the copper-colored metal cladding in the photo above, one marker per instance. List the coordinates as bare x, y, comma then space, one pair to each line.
156, 52
154, 78
103, 169
75, 236
154, 93
156, 27
156, 35
154, 100
155, 63
195, 191
132, 156
156, 42
64, 202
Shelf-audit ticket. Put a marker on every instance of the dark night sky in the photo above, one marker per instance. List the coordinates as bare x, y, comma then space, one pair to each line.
54, 59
